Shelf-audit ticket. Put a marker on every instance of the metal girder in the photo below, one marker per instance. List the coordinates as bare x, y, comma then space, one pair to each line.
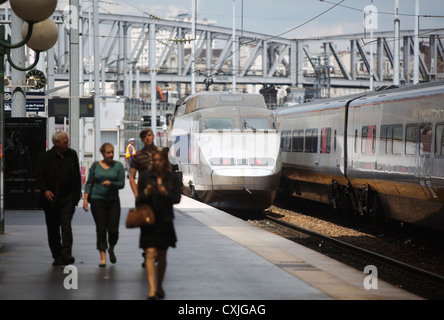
140, 43
224, 54
278, 58
263, 59
310, 58
365, 60
422, 65
200, 42
167, 51
253, 56
440, 48
436, 53
341, 65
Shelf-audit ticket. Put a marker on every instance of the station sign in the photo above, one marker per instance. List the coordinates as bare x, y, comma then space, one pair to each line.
59, 107
35, 101
7, 98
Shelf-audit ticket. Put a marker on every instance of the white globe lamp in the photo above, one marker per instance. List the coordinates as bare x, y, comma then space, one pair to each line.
44, 35
33, 10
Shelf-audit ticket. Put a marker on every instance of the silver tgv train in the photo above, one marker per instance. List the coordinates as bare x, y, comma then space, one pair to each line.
227, 148
380, 153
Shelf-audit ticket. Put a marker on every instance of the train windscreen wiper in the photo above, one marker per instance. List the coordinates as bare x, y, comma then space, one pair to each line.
247, 126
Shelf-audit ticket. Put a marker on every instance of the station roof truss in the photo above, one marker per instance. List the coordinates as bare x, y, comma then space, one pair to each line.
261, 58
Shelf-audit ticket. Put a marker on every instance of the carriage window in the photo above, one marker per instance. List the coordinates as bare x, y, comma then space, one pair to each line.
325, 140
397, 140
439, 140
410, 139
364, 136
385, 146
219, 123
425, 139
391, 139
308, 140
368, 139
286, 141
311, 140
373, 139
356, 140
298, 141
334, 142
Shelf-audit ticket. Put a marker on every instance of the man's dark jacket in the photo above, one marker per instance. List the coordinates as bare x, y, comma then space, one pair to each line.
47, 175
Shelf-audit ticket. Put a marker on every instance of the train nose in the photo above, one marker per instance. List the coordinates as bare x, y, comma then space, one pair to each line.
248, 180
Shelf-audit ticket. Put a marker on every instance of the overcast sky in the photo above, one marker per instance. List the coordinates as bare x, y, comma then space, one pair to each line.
289, 18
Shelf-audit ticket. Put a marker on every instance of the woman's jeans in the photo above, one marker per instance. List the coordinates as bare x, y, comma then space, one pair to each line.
106, 215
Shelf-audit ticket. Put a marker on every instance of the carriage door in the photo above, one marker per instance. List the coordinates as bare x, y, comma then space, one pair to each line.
368, 151
362, 165
424, 163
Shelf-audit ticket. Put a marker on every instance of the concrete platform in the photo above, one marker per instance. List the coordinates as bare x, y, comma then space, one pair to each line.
218, 257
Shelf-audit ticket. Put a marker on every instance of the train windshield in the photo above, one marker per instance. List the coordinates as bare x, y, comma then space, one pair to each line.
219, 123
256, 124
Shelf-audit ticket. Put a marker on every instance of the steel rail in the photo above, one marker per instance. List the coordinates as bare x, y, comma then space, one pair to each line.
417, 272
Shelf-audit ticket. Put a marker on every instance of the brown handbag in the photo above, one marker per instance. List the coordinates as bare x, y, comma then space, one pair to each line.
140, 216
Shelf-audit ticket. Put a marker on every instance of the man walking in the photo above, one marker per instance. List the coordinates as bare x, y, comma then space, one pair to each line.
142, 161
58, 178
130, 153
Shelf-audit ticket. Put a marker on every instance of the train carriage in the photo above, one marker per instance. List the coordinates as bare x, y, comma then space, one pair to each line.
313, 153
386, 154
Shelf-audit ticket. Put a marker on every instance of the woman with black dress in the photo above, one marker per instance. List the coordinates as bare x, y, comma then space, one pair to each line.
160, 189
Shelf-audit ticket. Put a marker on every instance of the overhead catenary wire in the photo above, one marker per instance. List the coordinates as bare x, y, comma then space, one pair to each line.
243, 43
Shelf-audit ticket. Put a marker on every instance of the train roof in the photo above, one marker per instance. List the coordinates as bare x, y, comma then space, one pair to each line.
212, 99
377, 96
323, 104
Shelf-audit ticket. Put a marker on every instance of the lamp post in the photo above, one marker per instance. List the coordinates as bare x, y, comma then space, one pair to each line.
39, 33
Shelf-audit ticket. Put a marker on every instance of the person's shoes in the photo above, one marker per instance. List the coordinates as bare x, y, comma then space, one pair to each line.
151, 297
69, 260
160, 295
102, 265
57, 262
63, 261
112, 256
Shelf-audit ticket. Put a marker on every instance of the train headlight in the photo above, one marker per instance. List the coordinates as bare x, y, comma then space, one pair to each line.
222, 162
261, 161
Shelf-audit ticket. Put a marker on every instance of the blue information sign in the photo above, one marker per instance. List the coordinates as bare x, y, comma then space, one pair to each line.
35, 102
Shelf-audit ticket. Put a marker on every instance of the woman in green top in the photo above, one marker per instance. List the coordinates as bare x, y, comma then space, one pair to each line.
109, 177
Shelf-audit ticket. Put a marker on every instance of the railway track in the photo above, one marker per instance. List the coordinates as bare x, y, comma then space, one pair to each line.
393, 258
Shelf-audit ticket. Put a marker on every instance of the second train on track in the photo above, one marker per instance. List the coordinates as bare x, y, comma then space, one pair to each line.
379, 153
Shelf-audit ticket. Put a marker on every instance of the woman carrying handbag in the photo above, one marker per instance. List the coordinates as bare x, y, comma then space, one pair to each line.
160, 189
105, 179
